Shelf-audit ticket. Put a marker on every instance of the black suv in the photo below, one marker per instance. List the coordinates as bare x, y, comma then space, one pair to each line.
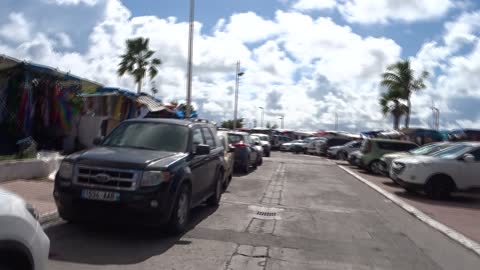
147, 171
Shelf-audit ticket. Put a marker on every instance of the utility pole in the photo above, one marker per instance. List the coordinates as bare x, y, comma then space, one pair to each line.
190, 60
281, 118
262, 116
238, 74
436, 117
336, 121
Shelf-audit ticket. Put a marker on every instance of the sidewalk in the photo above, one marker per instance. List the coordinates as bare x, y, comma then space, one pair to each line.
36, 192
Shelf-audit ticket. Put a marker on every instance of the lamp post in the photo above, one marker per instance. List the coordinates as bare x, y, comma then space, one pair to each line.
281, 118
238, 74
190, 60
263, 114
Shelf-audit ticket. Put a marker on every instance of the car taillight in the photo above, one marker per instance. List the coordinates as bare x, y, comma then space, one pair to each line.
240, 144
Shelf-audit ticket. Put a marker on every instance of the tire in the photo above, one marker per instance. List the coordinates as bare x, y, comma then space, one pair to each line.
214, 200
255, 164
374, 167
439, 187
343, 156
181, 211
246, 165
267, 154
260, 162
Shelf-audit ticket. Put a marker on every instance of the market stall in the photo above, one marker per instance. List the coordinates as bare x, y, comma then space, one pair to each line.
38, 105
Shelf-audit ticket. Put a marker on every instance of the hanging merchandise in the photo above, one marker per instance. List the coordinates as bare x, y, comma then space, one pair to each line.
3, 99
118, 108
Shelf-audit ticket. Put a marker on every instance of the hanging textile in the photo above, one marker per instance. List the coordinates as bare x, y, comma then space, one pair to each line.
118, 108
3, 99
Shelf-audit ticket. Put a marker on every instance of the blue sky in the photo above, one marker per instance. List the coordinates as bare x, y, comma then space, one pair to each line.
305, 59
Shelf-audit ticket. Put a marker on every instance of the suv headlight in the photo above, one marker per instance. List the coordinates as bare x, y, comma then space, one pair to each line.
66, 170
154, 178
32, 211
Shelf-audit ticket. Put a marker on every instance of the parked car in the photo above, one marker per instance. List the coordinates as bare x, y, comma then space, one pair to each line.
265, 141
228, 153
374, 149
246, 155
148, 171
348, 148
23, 244
257, 145
355, 157
455, 168
386, 160
288, 146
312, 145
324, 145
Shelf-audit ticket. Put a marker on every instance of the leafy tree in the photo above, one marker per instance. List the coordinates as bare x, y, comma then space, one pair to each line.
275, 126
229, 123
137, 60
390, 104
401, 77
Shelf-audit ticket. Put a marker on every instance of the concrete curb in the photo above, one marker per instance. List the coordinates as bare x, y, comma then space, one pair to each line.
48, 217
449, 232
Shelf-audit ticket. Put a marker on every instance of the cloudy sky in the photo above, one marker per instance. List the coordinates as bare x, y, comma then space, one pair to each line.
305, 59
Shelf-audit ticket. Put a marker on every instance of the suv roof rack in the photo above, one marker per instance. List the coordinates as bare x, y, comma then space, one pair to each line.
199, 120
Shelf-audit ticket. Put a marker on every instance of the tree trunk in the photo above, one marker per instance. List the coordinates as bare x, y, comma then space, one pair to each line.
396, 122
139, 86
407, 116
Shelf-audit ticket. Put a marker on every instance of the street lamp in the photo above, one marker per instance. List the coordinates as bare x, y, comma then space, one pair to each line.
281, 118
263, 114
238, 74
190, 56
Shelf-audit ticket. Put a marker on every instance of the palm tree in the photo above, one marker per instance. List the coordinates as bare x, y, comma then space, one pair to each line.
401, 77
390, 103
137, 60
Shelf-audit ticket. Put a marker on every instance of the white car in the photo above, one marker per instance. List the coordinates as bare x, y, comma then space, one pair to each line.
288, 146
348, 148
455, 168
265, 140
23, 244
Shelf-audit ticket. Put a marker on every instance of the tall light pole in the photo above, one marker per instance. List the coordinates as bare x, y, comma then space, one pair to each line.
190, 60
281, 118
238, 74
263, 115
336, 121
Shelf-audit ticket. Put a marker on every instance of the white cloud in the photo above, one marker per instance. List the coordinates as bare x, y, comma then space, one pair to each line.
247, 27
305, 67
17, 29
314, 4
73, 2
384, 11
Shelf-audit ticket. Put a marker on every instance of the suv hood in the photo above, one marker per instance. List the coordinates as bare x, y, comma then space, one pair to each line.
128, 158
416, 159
396, 155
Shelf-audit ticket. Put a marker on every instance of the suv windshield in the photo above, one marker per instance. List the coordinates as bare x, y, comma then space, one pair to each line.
150, 136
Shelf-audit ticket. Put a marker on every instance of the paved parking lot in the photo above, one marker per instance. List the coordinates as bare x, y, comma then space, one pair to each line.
461, 212
294, 212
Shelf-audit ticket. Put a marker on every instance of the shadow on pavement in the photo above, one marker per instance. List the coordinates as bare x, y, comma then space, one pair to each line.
99, 244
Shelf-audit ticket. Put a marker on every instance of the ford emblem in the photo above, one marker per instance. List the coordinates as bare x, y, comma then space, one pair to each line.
102, 177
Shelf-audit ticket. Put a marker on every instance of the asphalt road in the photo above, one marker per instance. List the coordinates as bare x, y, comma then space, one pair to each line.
294, 212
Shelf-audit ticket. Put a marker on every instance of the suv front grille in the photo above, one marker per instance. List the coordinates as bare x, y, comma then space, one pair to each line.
106, 177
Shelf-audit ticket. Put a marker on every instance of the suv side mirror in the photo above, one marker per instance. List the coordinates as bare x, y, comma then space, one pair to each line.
202, 149
468, 158
257, 143
97, 140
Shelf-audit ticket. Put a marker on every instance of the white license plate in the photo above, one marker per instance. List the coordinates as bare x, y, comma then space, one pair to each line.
98, 195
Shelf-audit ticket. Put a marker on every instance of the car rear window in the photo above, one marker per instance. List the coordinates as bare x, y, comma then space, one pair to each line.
235, 138
396, 146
